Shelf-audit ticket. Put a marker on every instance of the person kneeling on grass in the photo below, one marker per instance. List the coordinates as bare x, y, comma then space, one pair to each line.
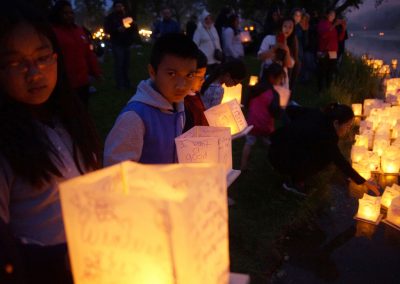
310, 142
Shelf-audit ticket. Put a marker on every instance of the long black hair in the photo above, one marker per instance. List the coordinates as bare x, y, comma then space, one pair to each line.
340, 112
291, 40
273, 71
24, 144
236, 68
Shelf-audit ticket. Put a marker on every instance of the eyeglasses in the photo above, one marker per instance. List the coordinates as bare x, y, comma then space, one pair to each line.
23, 65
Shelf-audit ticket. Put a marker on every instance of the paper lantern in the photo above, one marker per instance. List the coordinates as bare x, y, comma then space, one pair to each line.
232, 93
374, 161
393, 215
357, 109
390, 160
127, 22
245, 37
358, 153
133, 223
228, 114
363, 170
369, 208
361, 141
253, 80
389, 194
380, 145
205, 144
392, 86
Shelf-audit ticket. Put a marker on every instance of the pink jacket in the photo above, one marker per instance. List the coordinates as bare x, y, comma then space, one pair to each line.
259, 116
328, 37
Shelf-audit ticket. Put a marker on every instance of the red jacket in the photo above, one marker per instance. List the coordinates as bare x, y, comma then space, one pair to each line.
79, 60
328, 37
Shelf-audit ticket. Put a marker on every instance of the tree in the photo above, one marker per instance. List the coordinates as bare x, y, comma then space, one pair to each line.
90, 13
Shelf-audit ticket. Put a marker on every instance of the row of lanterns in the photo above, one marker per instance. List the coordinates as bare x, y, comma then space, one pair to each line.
377, 150
378, 65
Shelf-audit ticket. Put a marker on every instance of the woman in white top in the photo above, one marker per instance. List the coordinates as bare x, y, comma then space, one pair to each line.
207, 40
232, 44
281, 48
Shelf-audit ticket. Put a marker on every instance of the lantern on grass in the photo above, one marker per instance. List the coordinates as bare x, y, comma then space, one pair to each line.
393, 215
357, 109
380, 145
362, 170
253, 80
390, 160
245, 37
394, 63
392, 86
205, 144
358, 153
389, 194
361, 141
369, 208
373, 161
134, 223
229, 115
232, 93
127, 21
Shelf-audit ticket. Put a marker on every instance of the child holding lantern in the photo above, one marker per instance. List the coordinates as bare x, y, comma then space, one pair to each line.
146, 128
263, 109
46, 138
309, 143
230, 73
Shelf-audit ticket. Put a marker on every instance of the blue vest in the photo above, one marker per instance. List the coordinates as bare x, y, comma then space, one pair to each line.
160, 132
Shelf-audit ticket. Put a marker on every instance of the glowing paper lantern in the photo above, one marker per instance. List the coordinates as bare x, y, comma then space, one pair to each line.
369, 208
380, 145
361, 141
133, 223
392, 86
358, 153
228, 114
393, 215
232, 93
253, 80
127, 22
205, 144
245, 37
357, 109
389, 194
390, 160
362, 170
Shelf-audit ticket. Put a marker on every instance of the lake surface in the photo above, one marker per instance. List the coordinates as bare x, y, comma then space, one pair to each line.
386, 47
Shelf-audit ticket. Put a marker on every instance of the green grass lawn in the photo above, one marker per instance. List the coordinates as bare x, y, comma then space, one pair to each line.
263, 211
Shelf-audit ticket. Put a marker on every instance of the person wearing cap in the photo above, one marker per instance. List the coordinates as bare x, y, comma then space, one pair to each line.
207, 39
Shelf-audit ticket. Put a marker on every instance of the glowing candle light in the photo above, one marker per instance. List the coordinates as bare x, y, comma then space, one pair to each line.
369, 208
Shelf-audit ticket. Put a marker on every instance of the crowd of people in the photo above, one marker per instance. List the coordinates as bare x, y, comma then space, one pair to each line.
49, 137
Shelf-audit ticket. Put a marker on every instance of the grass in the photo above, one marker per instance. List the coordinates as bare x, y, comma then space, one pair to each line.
263, 211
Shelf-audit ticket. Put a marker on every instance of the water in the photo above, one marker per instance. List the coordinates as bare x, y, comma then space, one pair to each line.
386, 47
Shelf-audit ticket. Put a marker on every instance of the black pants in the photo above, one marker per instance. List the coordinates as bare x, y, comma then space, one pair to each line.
327, 68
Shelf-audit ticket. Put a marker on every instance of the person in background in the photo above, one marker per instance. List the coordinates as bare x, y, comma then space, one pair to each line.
122, 37
223, 19
79, 59
166, 25
147, 126
191, 26
328, 46
301, 35
342, 41
194, 107
231, 41
46, 138
207, 40
272, 22
230, 74
263, 109
280, 48
309, 143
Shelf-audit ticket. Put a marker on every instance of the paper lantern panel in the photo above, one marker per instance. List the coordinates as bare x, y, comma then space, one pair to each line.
205, 144
133, 223
229, 115
232, 93
369, 208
